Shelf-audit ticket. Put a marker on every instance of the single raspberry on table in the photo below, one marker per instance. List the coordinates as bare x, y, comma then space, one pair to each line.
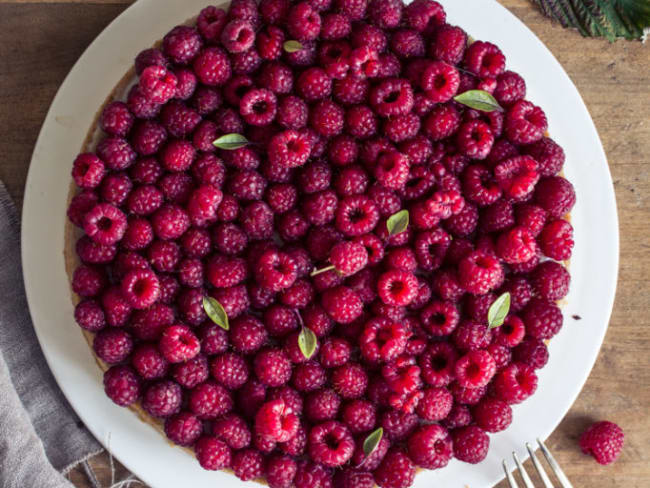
604, 441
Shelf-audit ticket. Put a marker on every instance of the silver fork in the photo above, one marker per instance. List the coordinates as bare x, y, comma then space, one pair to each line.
528, 483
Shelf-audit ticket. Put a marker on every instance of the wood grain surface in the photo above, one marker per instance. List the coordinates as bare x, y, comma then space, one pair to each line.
41, 40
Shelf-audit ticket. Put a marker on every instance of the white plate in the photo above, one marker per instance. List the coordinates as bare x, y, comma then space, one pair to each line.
142, 449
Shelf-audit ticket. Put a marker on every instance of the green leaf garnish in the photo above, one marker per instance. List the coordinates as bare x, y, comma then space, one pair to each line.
307, 342
372, 441
479, 100
292, 46
230, 142
398, 222
498, 311
612, 19
216, 312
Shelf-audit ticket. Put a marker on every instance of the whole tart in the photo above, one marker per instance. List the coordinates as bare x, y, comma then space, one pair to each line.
321, 243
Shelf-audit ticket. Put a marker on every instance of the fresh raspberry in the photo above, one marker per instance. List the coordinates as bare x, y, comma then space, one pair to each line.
183, 429
355, 9
391, 97
510, 88
485, 60
144, 200
280, 320
424, 15
229, 369
352, 180
551, 281
212, 453
407, 43
162, 399
480, 272
530, 216
186, 83
322, 405
269, 42
334, 352
238, 36
326, 118
320, 208
89, 315
532, 352
140, 288
88, 281
475, 139
395, 471
430, 447
308, 376
543, 318
515, 383
342, 304
437, 364
440, 81
303, 22
511, 332
517, 176
349, 380
116, 153
149, 57
471, 444
169, 288
163, 255
385, 14
112, 345
210, 400
604, 441
475, 369
88, 170
435, 404
516, 245
449, 44
556, 240
397, 287
182, 44
292, 113
350, 91
289, 149
556, 195
330, 443
335, 26
348, 257
549, 155
140, 106
310, 475
354, 478
275, 421
280, 470
383, 340
158, 84
402, 375
122, 385
276, 270
105, 224
442, 122
256, 220
178, 344
233, 430
138, 234
304, 57
247, 334
525, 123
359, 416
479, 186
192, 372
170, 222
212, 66
273, 367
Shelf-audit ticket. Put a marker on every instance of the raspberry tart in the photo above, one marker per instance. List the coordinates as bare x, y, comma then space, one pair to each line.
321, 243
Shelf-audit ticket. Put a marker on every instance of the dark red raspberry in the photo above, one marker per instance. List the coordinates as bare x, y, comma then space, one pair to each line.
170, 222
138, 235
391, 97
471, 335
105, 224
322, 405
530, 216
335, 26
511, 332
359, 416
556, 195
471, 444
186, 83
549, 155
517, 176
212, 453
89, 315
516, 245
350, 91
122, 385
397, 287
543, 318
424, 15
303, 22
342, 304
354, 478
238, 36
116, 153
515, 383
289, 149
485, 60
407, 43
604, 441
475, 139
163, 255
112, 345
442, 122
310, 475
510, 88
556, 240
435, 404
437, 364
162, 399
149, 57
430, 447
182, 44
395, 471
210, 400
440, 81
210, 23
192, 372
551, 281
273, 367
475, 369
88, 170
479, 186
141, 106
292, 113
247, 334
525, 123
158, 84
233, 430
274, 420
88, 281
280, 470
183, 429
258, 107
178, 344
349, 380
116, 309
383, 340
229, 369
212, 66
532, 352
330, 443
140, 287
480, 272
144, 200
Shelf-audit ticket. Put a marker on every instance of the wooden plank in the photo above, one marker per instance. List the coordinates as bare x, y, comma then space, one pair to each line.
40, 41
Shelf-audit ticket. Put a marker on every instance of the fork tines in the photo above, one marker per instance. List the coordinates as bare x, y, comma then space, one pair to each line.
564, 481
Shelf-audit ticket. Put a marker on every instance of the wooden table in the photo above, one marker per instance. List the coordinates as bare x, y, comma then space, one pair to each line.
40, 41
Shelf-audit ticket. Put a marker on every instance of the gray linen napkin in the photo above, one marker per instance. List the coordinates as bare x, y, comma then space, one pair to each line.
40, 435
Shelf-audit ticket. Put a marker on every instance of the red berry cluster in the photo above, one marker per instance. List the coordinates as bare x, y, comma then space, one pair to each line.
346, 126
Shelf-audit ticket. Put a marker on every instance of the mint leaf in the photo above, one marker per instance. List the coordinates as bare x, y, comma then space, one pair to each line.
498, 311
479, 100
230, 142
307, 342
292, 46
372, 441
611, 19
216, 312
398, 222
